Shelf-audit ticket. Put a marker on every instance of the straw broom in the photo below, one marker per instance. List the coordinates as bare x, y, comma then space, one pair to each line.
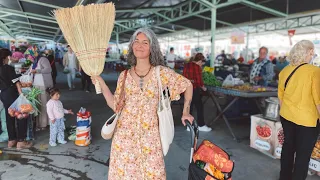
87, 29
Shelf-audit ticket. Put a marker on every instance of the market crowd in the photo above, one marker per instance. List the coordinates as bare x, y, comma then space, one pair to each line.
298, 92
33, 81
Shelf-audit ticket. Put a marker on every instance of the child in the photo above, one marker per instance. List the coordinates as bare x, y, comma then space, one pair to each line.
56, 116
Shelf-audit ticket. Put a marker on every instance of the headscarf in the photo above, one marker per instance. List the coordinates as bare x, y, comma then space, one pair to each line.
31, 55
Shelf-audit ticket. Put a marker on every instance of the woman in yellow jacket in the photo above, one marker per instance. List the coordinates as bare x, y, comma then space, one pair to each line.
299, 95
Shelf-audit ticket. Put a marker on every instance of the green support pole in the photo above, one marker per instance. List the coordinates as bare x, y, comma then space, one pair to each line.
213, 30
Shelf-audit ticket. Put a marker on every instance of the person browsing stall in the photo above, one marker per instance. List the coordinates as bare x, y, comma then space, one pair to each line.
299, 95
262, 69
193, 72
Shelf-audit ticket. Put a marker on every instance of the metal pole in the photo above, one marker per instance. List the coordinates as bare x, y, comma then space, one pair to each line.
247, 47
117, 42
213, 30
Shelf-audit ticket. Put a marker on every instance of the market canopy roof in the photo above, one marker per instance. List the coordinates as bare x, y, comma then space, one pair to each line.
178, 17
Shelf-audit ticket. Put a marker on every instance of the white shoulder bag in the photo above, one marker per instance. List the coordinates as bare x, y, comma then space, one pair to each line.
166, 124
110, 125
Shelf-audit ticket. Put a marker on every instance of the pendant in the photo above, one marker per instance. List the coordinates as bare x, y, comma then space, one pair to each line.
141, 83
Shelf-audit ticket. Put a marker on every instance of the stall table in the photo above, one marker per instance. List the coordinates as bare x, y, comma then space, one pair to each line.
236, 94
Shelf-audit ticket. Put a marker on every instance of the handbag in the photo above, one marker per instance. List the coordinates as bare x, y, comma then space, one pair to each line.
166, 124
110, 125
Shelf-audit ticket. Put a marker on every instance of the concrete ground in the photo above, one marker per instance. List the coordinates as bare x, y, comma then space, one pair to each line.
72, 162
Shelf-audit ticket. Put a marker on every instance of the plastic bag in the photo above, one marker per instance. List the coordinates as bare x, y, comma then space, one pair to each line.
83, 131
26, 79
21, 108
78, 75
229, 81
66, 70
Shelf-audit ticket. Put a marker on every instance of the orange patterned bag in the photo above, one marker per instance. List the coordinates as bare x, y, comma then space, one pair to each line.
213, 154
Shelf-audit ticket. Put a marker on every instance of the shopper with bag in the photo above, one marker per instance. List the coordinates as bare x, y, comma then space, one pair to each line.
137, 150
299, 95
43, 81
70, 63
10, 89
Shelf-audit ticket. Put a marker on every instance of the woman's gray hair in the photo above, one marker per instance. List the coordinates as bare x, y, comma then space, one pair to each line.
156, 57
299, 52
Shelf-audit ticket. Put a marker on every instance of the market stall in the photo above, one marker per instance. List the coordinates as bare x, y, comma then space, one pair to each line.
255, 93
235, 89
266, 136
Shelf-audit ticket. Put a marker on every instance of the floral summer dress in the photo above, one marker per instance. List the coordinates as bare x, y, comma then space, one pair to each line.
136, 152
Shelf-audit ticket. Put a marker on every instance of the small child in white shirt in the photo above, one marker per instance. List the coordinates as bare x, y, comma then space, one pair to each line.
56, 113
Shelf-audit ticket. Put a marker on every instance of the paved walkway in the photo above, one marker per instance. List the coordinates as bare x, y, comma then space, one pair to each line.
71, 162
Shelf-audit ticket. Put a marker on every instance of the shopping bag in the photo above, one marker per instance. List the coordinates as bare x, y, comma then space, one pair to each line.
21, 108
78, 75
229, 81
66, 70
27, 78
108, 129
166, 124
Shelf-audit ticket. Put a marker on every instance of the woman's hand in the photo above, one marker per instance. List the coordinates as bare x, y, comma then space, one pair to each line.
33, 71
96, 79
188, 117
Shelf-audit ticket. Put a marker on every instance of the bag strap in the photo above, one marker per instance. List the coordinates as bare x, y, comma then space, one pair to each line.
289, 77
122, 91
162, 96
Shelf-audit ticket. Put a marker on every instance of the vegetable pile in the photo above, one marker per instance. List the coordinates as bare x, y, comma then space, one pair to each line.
25, 109
32, 96
210, 79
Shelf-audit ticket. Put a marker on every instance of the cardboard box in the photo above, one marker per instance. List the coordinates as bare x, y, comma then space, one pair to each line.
279, 139
262, 135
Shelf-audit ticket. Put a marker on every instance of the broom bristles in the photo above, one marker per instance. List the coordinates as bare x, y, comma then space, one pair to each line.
87, 30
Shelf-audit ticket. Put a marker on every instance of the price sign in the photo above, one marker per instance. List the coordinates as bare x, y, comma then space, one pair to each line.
314, 165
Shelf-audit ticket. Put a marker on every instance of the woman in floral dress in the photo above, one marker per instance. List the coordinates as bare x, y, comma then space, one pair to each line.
136, 152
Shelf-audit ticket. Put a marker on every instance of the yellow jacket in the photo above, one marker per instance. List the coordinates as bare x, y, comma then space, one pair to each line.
302, 95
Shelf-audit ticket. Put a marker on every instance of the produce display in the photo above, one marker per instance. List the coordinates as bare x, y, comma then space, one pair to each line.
263, 131
250, 88
210, 80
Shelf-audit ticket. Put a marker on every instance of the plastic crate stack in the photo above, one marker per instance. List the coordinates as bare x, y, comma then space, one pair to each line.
83, 131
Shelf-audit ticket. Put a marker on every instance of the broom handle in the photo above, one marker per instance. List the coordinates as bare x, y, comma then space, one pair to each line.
98, 87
